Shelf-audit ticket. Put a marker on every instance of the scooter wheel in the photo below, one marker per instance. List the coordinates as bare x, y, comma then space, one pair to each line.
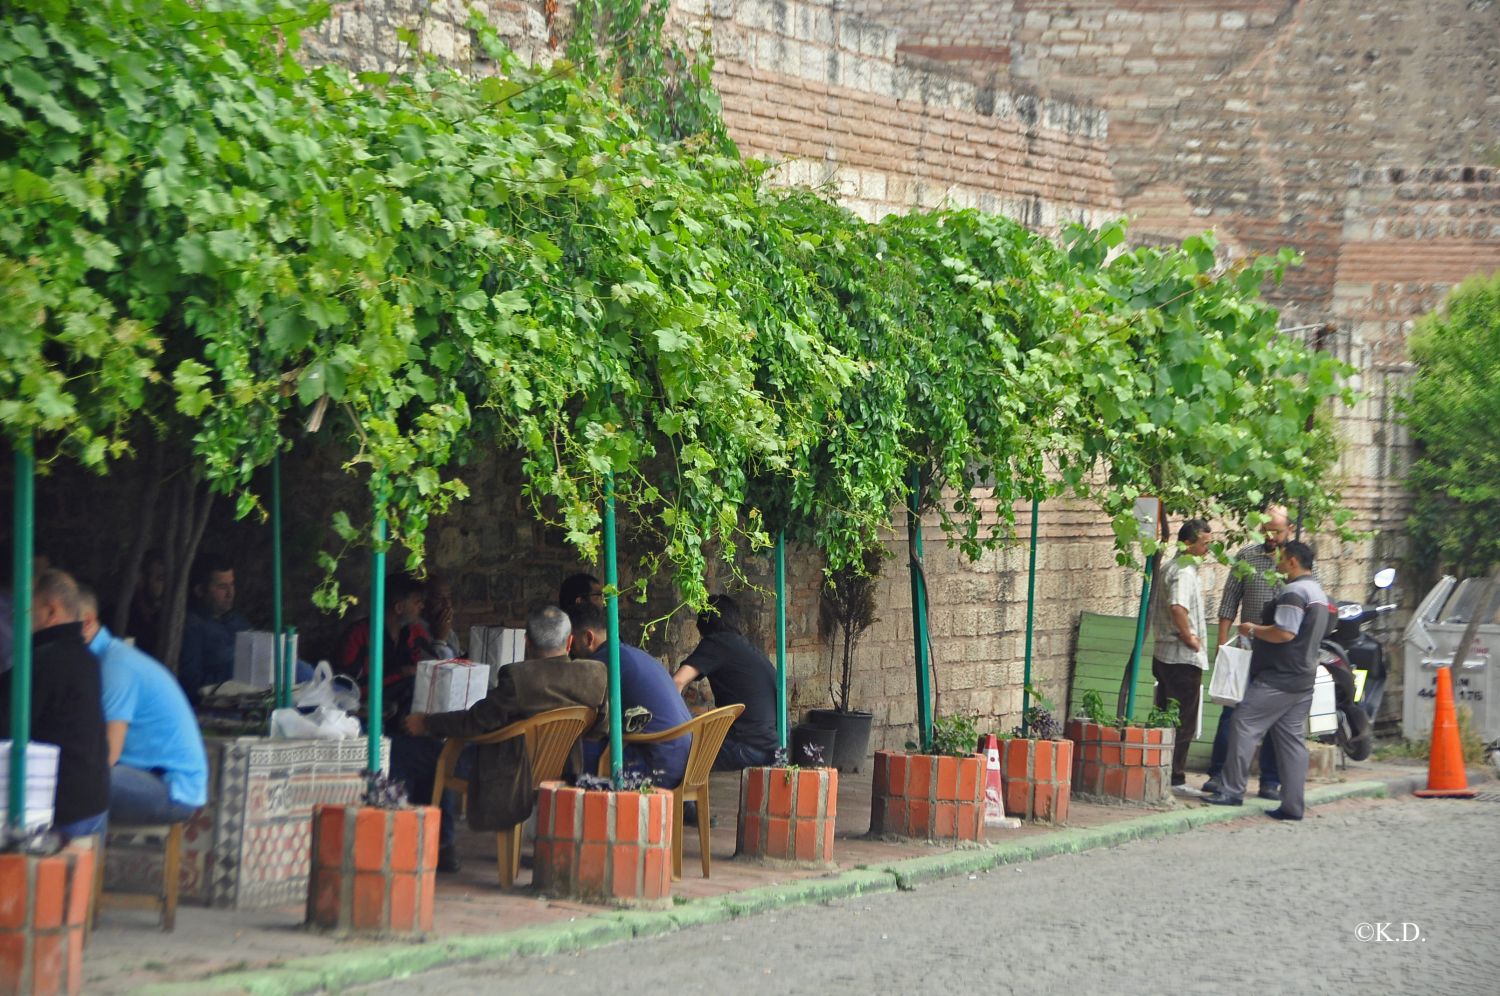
1356, 734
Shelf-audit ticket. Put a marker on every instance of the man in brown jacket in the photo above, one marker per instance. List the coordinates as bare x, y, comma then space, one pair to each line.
500, 791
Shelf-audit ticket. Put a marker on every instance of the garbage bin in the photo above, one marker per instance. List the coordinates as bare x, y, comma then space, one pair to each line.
1432, 638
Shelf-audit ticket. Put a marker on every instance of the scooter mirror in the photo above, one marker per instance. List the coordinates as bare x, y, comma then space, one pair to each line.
1385, 577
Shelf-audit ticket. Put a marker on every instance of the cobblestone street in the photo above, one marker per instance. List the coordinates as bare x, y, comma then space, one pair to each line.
1248, 906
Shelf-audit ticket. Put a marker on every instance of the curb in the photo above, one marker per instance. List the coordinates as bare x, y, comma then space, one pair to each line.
378, 963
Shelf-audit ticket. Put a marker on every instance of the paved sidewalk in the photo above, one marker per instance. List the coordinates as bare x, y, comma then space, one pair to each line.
270, 951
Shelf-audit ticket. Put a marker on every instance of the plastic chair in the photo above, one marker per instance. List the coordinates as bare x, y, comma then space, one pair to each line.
550, 737
709, 731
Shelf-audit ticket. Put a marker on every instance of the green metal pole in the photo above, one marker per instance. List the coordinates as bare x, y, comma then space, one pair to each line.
781, 719
283, 694
20, 671
288, 676
1140, 639
919, 613
377, 634
612, 608
1030, 622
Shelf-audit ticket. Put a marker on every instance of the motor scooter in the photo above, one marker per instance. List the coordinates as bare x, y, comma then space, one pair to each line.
1356, 663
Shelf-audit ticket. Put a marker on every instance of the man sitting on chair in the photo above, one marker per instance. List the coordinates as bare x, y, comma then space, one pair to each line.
500, 791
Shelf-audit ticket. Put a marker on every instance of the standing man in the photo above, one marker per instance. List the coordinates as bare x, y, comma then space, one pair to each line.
207, 656
738, 673
65, 706
1246, 597
1283, 668
158, 772
1180, 656
644, 683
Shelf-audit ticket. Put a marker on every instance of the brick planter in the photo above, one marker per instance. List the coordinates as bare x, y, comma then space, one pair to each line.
613, 847
44, 907
1038, 778
1131, 763
928, 797
787, 814
373, 870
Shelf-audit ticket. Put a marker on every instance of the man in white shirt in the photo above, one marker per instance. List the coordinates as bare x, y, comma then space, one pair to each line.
1180, 657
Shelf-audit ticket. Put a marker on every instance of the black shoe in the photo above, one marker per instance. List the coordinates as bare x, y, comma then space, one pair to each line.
1210, 787
1280, 814
1270, 792
1220, 799
447, 860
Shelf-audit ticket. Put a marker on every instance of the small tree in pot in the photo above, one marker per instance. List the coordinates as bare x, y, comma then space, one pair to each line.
846, 609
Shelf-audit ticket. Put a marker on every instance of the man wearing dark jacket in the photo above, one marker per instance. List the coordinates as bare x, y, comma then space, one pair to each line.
500, 791
65, 706
739, 674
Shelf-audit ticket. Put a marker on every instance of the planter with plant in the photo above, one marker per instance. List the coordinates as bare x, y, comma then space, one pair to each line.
788, 811
374, 865
936, 796
1116, 759
1036, 764
846, 609
47, 890
600, 843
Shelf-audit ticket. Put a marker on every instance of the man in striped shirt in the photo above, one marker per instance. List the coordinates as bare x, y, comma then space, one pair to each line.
1246, 596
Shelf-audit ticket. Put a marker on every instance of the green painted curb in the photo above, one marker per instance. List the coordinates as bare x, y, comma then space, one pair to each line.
379, 962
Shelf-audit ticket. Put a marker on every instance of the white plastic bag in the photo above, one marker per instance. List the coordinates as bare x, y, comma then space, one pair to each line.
327, 689
1231, 675
323, 723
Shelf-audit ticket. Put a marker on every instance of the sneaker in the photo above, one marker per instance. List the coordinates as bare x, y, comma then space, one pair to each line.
1220, 799
1187, 791
1270, 792
1210, 787
1280, 814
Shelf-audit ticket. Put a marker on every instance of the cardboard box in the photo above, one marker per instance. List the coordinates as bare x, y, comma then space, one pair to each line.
255, 657
496, 646
41, 780
448, 686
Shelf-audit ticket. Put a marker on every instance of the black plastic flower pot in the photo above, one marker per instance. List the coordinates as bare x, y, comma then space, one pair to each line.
853, 736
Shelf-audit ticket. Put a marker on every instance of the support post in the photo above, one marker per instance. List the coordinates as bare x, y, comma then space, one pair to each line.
283, 694
612, 610
781, 717
377, 633
1030, 623
1140, 639
20, 677
919, 612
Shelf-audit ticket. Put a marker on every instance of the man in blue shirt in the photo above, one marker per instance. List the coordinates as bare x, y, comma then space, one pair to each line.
207, 656
644, 682
158, 771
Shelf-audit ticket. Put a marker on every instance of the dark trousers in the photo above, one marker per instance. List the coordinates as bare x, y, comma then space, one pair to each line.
414, 761
736, 755
1180, 682
1269, 775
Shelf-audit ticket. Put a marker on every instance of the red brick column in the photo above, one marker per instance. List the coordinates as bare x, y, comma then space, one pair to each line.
788, 814
927, 796
1131, 763
373, 870
44, 905
604, 846
1038, 778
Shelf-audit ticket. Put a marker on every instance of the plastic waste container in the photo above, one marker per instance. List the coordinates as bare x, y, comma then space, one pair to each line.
1432, 638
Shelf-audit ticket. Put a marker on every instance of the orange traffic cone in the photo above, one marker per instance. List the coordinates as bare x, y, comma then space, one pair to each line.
1446, 778
994, 792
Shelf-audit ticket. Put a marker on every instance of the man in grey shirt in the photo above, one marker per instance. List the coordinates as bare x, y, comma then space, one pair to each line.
1246, 596
1283, 669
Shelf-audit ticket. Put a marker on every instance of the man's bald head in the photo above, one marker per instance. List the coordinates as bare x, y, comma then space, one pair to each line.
1277, 528
55, 599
